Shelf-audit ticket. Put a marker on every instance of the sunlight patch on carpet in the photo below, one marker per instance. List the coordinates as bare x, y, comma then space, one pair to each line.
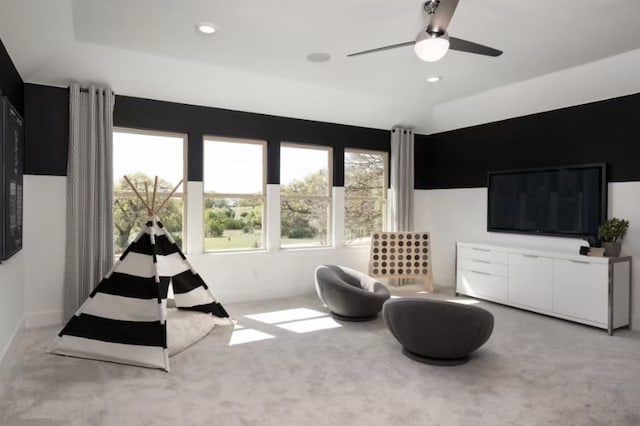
286, 315
248, 335
306, 326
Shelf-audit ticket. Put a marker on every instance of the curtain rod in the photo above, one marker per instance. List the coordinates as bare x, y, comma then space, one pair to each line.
85, 90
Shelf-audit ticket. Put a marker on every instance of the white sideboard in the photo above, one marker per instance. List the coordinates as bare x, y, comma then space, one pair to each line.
589, 290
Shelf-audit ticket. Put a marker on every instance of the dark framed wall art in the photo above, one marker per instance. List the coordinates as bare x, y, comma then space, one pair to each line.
11, 180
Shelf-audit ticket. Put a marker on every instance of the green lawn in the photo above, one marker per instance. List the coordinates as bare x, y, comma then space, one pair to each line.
238, 240
233, 240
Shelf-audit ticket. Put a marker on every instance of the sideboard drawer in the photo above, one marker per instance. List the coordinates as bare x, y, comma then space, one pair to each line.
483, 266
479, 253
482, 284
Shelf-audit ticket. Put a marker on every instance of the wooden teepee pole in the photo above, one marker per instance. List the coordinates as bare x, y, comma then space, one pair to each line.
144, 203
146, 192
153, 198
169, 196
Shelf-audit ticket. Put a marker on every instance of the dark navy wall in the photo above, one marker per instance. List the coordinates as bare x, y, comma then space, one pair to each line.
11, 84
198, 121
47, 131
598, 132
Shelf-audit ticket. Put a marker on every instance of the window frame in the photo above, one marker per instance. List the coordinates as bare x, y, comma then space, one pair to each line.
382, 198
220, 195
161, 195
328, 197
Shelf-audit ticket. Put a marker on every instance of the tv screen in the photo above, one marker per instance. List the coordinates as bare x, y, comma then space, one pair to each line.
563, 201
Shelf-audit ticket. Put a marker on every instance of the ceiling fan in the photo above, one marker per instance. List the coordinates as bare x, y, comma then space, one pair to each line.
433, 41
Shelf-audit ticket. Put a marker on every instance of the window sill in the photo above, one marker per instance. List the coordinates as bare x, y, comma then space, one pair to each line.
367, 244
278, 250
308, 248
238, 251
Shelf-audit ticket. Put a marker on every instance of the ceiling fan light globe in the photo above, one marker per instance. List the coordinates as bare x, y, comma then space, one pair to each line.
431, 47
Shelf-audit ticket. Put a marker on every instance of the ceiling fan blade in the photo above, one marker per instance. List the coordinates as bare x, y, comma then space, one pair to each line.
442, 16
470, 47
380, 49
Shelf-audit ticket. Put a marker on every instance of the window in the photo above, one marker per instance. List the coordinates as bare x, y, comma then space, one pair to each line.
365, 193
305, 197
234, 188
141, 156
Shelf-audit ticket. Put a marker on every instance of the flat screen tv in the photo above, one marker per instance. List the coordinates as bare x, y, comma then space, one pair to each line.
560, 201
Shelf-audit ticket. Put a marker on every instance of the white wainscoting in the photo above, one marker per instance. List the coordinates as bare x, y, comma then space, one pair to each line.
44, 247
12, 287
450, 215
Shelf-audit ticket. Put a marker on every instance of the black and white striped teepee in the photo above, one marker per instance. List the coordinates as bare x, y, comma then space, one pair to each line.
124, 319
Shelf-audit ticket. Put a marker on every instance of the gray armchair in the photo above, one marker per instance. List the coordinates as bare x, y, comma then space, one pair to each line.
350, 295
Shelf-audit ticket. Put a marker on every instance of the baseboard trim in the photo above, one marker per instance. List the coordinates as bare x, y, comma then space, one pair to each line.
43, 319
8, 351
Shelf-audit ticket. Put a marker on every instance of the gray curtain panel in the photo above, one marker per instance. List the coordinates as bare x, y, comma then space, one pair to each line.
89, 236
402, 168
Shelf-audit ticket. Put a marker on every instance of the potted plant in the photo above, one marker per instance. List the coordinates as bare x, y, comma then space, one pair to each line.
612, 232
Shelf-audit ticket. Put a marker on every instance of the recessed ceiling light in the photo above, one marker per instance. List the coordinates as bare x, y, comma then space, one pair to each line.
318, 57
434, 79
206, 28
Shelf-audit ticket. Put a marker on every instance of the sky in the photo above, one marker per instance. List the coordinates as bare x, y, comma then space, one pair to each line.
228, 167
132, 154
296, 163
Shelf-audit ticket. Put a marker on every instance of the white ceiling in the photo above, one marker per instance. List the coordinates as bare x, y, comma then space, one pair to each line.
257, 59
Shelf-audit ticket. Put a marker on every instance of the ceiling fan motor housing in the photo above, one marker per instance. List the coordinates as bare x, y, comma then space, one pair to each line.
430, 6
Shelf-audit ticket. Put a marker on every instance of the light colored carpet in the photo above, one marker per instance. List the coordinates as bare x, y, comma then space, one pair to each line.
534, 370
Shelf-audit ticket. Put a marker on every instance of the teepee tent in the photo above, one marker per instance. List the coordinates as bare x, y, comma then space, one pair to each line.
124, 319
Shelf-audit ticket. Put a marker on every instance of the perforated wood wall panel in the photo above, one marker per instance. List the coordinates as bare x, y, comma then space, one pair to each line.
401, 255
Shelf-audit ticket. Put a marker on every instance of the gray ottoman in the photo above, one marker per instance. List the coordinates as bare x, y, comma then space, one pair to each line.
435, 331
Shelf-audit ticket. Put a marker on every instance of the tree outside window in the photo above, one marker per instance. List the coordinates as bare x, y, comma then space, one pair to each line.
130, 214
365, 182
305, 199
141, 156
